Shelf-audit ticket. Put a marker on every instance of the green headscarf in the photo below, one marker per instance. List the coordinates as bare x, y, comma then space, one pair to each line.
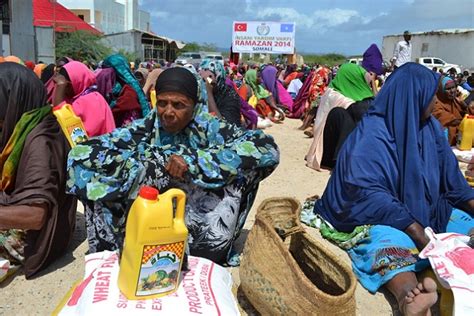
123, 71
350, 82
258, 90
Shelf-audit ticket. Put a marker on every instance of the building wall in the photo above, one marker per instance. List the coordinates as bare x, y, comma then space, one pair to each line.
78, 7
5, 47
45, 44
128, 41
83, 12
455, 48
112, 16
143, 21
22, 34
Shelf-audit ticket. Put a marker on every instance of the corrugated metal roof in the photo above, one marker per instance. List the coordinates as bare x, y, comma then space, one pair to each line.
179, 44
49, 13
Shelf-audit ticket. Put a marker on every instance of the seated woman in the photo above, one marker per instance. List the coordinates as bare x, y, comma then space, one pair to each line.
141, 74
75, 85
339, 124
449, 110
282, 97
126, 96
290, 74
222, 99
266, 106
177, 145
318, 84
349, 86
397, 172
37, 217
301, 101
373, 62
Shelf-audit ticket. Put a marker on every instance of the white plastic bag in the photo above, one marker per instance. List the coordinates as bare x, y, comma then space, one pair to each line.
204, 290
452, 261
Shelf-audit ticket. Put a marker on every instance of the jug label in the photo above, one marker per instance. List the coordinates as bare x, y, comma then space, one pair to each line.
77, 134
159, 269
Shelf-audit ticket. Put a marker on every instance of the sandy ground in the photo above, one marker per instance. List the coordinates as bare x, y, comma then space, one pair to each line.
39, 296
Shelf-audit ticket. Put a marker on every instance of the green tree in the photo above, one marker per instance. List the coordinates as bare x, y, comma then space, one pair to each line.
130, 56
197, 47
324, 59
81, 45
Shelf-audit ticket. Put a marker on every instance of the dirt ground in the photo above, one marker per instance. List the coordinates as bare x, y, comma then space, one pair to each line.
40, 295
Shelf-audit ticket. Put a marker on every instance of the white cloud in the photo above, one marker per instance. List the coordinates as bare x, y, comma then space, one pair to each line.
319, 20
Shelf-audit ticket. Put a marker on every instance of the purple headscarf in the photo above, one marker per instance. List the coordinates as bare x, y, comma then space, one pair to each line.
372, 60
247, 111
269, 79
105, 79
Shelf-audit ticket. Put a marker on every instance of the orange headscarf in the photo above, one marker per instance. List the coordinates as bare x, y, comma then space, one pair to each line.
13, 59
39, 69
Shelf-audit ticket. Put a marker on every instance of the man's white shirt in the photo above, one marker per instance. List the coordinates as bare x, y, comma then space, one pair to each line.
402, 53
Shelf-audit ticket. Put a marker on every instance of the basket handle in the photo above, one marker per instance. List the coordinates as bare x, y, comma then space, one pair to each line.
283, 233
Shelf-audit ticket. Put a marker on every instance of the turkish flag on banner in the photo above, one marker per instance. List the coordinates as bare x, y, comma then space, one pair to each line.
240, 27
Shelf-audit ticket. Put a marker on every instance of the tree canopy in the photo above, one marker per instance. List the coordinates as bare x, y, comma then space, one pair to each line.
81, 45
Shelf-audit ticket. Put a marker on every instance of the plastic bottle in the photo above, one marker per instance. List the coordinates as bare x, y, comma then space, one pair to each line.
466, 133
71, 124
153, 98
154, 246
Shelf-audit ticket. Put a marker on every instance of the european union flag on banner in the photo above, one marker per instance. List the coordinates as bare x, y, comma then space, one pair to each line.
286, 28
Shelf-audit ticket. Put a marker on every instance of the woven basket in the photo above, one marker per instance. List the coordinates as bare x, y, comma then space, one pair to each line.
286, 272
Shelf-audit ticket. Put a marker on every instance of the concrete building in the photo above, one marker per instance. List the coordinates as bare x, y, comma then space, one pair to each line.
110, 16
18, 33
146, 45
453, 46
125, 27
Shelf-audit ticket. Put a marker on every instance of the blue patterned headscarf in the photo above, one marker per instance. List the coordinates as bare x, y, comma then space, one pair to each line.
215, 151
216, 67
123, 71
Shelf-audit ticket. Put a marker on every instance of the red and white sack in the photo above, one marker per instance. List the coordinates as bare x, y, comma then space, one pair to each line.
204, 290
452, 261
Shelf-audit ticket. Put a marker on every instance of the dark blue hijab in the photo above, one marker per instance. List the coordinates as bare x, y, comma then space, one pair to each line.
394, 169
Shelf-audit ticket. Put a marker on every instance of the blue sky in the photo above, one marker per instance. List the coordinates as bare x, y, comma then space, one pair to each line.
322, 26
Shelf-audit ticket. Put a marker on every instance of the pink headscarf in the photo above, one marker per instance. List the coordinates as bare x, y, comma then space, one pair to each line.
88, 104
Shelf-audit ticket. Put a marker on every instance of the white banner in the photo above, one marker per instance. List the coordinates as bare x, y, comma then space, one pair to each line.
263, 37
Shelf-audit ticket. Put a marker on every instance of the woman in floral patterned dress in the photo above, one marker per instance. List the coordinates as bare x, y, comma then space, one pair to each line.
178, 145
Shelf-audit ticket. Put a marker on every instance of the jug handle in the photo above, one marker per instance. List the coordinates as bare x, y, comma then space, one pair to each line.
180, 203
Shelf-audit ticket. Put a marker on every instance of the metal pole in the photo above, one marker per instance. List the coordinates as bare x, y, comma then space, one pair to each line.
1, 38
54, 26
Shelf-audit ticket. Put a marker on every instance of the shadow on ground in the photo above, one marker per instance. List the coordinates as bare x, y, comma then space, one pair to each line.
78, 238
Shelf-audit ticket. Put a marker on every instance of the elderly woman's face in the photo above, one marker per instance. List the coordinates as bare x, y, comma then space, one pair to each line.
175, 111
450, 90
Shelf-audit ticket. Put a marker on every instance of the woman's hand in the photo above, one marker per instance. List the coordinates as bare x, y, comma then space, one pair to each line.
60, 80
417, 234
177, 167
62, 89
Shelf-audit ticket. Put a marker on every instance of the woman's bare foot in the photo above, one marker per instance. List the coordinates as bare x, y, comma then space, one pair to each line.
419, 300
309, 132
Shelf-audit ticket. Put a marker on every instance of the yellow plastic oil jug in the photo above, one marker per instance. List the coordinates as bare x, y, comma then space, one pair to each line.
153, 98
71, 124
155, 243
465, 139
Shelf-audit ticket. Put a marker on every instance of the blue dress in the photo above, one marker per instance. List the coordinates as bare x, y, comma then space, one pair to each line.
396, 168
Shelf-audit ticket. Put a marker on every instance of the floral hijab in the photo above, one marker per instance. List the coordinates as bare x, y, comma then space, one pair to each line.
113, 166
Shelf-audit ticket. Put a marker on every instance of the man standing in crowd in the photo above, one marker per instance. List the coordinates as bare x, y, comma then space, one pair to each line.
402, 52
